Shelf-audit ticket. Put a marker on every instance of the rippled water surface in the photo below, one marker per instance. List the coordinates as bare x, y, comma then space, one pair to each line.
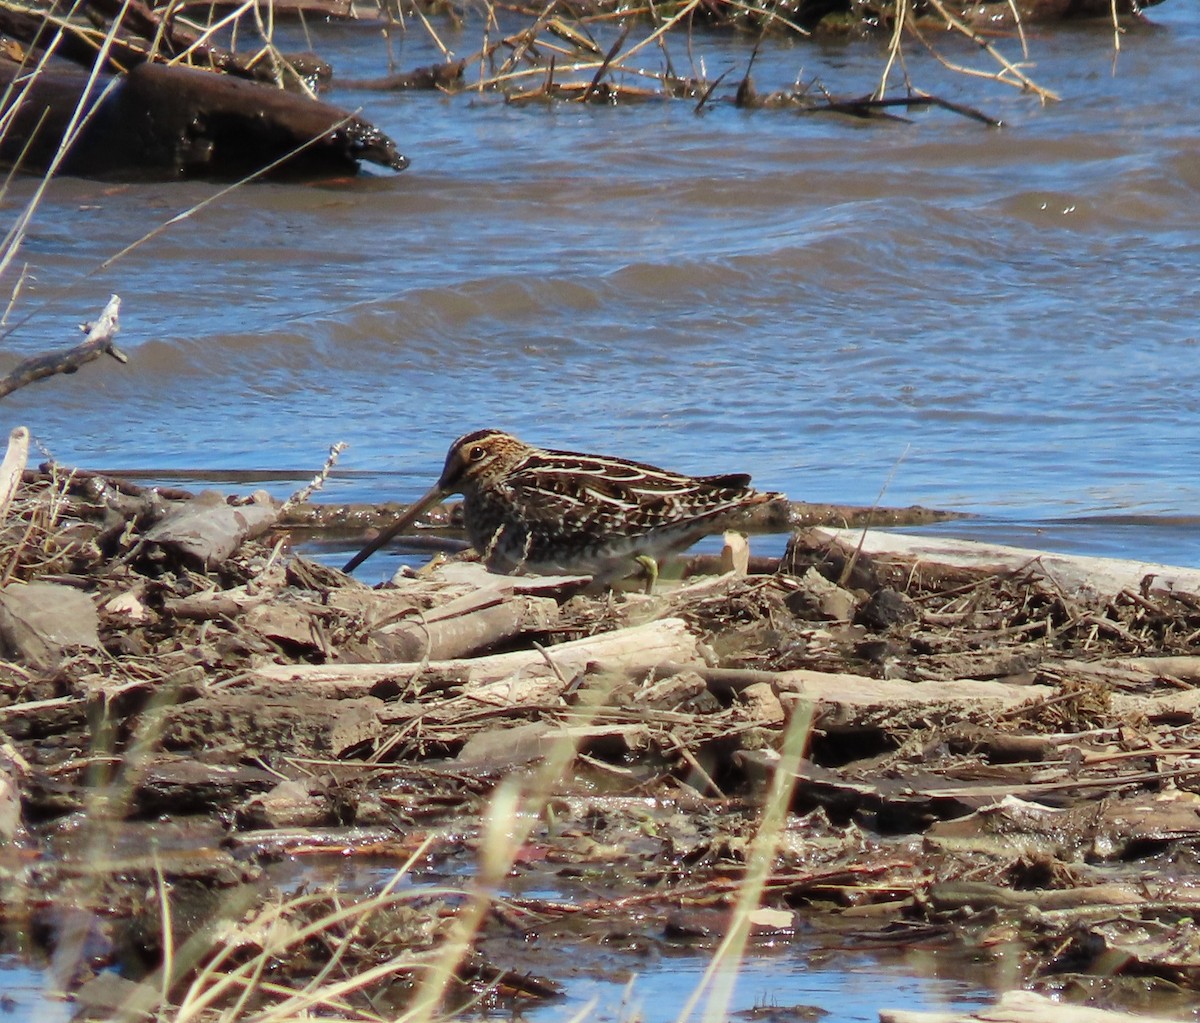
997, 321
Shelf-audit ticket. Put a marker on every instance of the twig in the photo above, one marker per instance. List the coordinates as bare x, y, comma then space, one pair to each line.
709, 91
317, 482
860, 107
608, 59
1008, 68
99, 341
846, 572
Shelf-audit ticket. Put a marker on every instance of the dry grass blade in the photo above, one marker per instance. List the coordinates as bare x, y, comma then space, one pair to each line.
82, 113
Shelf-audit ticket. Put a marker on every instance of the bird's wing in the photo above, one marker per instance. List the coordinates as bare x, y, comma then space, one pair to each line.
589, 493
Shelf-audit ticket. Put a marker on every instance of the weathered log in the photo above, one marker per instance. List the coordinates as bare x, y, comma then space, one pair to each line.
642, 646
899, 554
176, 122
849, 703
13, 467
475, 622
304, 725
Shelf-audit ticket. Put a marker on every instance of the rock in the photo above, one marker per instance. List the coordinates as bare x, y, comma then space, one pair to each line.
885, 608
290, 804
819, 599
206, 531
40, 622
763, 704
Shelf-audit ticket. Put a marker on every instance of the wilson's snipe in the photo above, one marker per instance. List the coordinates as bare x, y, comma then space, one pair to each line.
550, 512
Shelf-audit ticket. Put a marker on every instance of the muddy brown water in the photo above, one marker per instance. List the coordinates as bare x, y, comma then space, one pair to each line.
1001, 322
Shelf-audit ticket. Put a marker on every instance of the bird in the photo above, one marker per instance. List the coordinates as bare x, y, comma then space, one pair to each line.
546, 512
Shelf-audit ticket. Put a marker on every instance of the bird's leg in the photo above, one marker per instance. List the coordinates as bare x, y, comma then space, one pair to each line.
649, 568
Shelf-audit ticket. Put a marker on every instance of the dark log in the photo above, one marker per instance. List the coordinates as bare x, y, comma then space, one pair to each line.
433, 76
172, 122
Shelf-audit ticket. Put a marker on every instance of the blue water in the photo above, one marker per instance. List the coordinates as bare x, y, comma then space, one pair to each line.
995, 321
843, 987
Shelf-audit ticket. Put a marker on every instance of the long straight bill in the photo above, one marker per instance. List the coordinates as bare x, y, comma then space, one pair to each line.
414, 512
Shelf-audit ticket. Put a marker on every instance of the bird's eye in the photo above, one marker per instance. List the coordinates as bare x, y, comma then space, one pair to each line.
477, 453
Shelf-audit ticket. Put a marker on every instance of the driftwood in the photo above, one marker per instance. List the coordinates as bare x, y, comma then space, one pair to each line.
641, 646
99, 341
13, 467
462, 627
844, 703
1072, 573
206, 531
166, 122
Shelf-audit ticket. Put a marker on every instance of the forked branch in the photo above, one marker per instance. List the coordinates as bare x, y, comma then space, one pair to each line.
99, 341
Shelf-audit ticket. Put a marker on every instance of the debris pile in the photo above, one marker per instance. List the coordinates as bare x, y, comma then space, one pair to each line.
1004, 753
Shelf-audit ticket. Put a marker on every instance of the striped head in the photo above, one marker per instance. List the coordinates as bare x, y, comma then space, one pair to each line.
481, 459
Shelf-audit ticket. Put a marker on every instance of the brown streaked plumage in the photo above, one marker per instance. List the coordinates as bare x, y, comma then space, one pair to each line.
548, 512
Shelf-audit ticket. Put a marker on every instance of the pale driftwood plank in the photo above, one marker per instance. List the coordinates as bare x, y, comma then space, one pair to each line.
638, 647
13, 465
839, 700
1074, 573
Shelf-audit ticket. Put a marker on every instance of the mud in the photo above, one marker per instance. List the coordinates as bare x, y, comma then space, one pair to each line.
994, 761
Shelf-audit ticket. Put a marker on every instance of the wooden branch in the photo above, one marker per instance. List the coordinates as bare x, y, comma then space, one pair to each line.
99, 341
623, 650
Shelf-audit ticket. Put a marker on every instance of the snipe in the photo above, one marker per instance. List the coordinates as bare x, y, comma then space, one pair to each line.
548, 512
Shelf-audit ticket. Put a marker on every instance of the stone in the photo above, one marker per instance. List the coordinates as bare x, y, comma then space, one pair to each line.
41, 622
